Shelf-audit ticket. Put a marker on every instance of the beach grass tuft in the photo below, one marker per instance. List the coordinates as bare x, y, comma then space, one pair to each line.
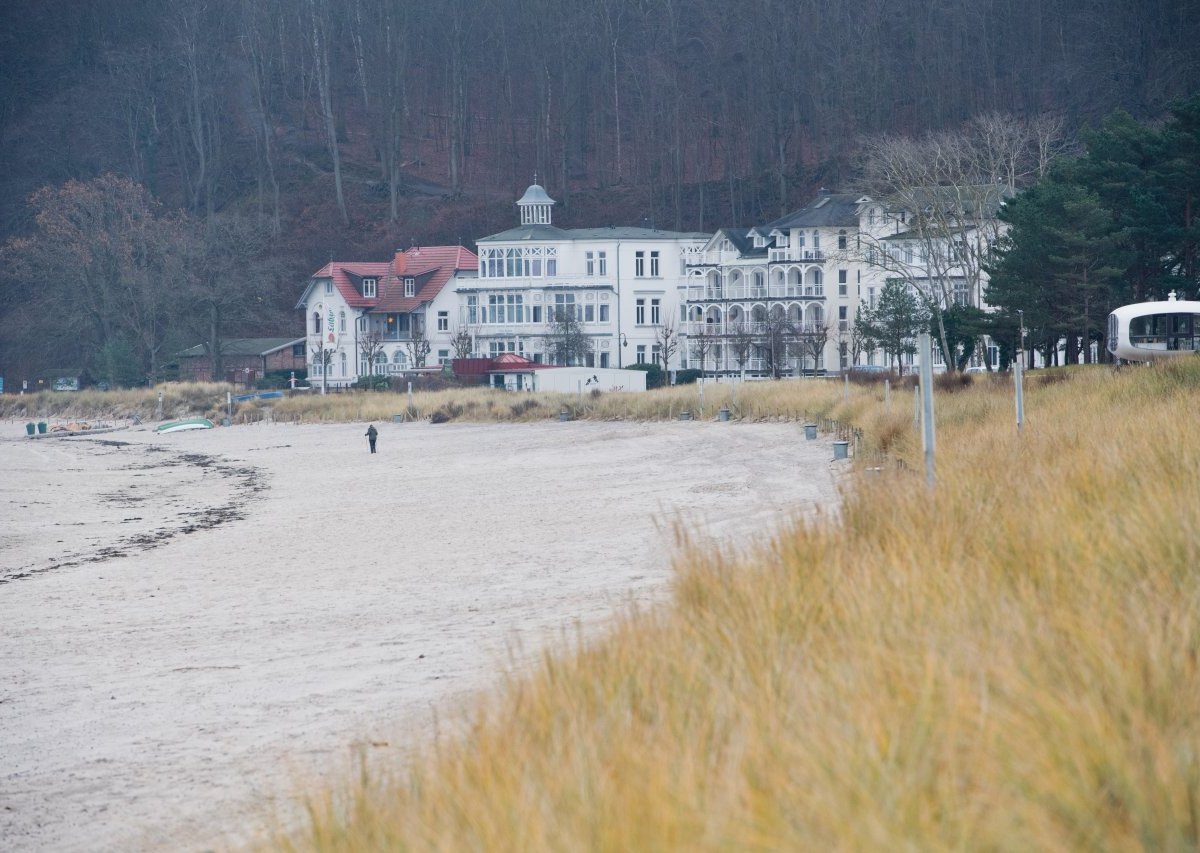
1008, 661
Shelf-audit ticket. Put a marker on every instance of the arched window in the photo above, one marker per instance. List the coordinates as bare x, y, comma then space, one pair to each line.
343, 373
316, 322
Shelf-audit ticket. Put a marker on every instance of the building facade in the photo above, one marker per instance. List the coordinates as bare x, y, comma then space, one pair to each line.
618, 289
244, 360
386, 318
781, 299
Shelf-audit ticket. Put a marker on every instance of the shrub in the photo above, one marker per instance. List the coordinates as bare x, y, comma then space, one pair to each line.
281, 379
687, 377
654, 374
373, 383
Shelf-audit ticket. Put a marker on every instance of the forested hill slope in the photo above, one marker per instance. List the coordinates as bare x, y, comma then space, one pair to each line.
355, 127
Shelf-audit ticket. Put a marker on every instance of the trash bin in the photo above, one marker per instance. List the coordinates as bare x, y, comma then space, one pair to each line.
723, 414
29, 427
564, 415
41, 427
839, 449
810, 431
685, 416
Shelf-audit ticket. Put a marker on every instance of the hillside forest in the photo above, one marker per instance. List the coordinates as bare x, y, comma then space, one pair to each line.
243, 143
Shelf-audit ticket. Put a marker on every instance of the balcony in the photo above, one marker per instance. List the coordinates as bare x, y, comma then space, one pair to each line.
742, 292
795, 256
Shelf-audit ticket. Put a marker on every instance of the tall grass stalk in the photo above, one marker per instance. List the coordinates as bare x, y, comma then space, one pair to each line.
1008, 662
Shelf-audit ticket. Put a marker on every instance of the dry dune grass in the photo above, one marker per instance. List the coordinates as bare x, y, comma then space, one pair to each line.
1009, 662
753, 400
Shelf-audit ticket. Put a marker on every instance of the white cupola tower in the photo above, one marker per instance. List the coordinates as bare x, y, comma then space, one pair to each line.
535, 205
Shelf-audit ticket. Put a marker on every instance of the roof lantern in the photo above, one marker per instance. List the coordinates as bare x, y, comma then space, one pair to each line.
535, 205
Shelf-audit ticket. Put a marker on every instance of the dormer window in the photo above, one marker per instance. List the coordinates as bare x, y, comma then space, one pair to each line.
369, 289
410, 287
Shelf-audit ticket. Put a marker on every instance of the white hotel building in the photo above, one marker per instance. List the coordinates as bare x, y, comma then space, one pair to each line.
622, 283
806, 274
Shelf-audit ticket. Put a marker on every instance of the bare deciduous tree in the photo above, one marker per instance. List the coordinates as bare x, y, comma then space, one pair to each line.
463, 342
811, 340
741, 344
418, 345
668, 342
565, 341
702, 342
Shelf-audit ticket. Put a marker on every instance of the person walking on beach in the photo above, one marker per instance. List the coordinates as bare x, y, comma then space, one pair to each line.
372, 434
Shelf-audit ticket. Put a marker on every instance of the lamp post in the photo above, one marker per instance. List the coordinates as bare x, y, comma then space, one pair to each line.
1018, 379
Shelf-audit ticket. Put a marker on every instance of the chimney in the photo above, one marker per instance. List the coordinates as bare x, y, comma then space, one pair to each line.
400, 264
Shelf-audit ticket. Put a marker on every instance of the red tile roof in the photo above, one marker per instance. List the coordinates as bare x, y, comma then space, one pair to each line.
431, 266
511, 362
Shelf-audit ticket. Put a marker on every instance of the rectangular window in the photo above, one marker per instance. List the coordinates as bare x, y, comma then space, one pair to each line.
655, 316
552, 266
602, 263
841, 312
870, 297
369, 288
328, 288
589, 263
842, 275
639, 314
603, 313
537, 314
443, 321
589, 313
410, 286
639, 264
564, 305
604, 359
641, 353
654, 264
472, 309
655, 353
443, 356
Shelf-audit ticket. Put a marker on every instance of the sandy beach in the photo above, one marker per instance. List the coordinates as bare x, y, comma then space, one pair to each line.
196, 624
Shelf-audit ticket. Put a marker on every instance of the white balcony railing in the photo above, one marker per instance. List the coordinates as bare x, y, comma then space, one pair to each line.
791, 255
738, 292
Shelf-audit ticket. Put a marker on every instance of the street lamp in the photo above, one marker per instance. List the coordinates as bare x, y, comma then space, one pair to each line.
1018, 379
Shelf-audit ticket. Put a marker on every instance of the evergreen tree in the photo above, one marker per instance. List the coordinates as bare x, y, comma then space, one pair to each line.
1062, 263
895, 321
